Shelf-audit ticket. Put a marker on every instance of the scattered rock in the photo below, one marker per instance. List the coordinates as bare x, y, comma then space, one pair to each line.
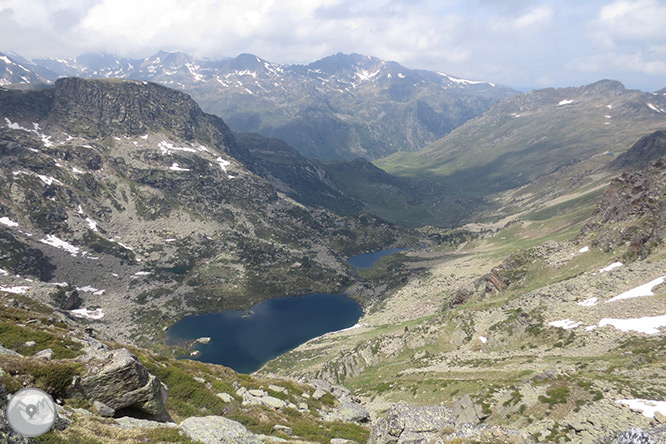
6, 351
342, 441
103, 409
47, 354
225, 397
318, 394
284, 429
408, 424
217, 430
30, 343
203, 340
277, 388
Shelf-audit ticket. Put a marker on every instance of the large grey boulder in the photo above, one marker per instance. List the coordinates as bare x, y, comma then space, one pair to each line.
466, 410
404, 424
122, 383
217, 430
347, 410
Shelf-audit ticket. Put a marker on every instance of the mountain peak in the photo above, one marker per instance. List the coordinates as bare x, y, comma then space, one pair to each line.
102, 108
343, 63
605, 86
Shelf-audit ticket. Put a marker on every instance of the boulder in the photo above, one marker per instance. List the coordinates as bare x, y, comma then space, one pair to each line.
284, 429
348, 411
103, 409
46, 354
121, 382
635, 436
225, 397
409, 424
466, 410
318, 394
71, 301
217, 430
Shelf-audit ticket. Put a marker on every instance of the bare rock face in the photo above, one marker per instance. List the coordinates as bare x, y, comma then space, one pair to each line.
118, 380
408, 424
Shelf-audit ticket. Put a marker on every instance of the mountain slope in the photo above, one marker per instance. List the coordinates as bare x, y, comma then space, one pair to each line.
550, 329
128, 193
531, 135
342, 106
18, 71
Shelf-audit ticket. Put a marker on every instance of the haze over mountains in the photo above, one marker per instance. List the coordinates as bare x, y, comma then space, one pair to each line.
342, 106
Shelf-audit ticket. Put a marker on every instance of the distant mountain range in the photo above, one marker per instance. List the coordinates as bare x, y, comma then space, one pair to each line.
340, 107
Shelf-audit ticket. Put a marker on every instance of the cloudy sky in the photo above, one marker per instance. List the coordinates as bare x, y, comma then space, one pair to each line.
519, 43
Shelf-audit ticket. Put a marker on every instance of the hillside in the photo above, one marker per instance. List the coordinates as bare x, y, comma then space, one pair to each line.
342, 106
129, 195
531, 135
548, 329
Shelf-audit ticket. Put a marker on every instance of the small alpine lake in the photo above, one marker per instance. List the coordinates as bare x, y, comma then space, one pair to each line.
367, 260
246, 340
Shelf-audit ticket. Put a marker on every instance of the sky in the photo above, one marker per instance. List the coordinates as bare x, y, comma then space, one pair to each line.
517, 43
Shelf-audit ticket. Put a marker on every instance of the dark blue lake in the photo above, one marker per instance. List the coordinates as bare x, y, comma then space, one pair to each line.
367, 260
245, 340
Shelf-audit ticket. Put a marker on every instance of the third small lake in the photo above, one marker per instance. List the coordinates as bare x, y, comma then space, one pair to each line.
367, 260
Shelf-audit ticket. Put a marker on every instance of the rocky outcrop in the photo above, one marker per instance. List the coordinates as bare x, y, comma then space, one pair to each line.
351, 363
217, 430
120, 382
632, 211
408, 424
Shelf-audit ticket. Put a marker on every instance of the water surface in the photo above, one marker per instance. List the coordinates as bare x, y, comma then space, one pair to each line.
245, 340
367, 260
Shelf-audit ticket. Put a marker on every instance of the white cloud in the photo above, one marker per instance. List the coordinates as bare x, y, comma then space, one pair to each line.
630, 20
617, 62
536, 18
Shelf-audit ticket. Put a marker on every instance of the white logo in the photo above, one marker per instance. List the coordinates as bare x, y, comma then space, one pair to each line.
31, 412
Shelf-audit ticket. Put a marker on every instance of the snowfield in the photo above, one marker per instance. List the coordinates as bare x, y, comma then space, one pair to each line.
566, 324
611, 267
59, 243
649, 325
89, 314
6, 221
16, 290
589, 302
646, 406
640, 291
